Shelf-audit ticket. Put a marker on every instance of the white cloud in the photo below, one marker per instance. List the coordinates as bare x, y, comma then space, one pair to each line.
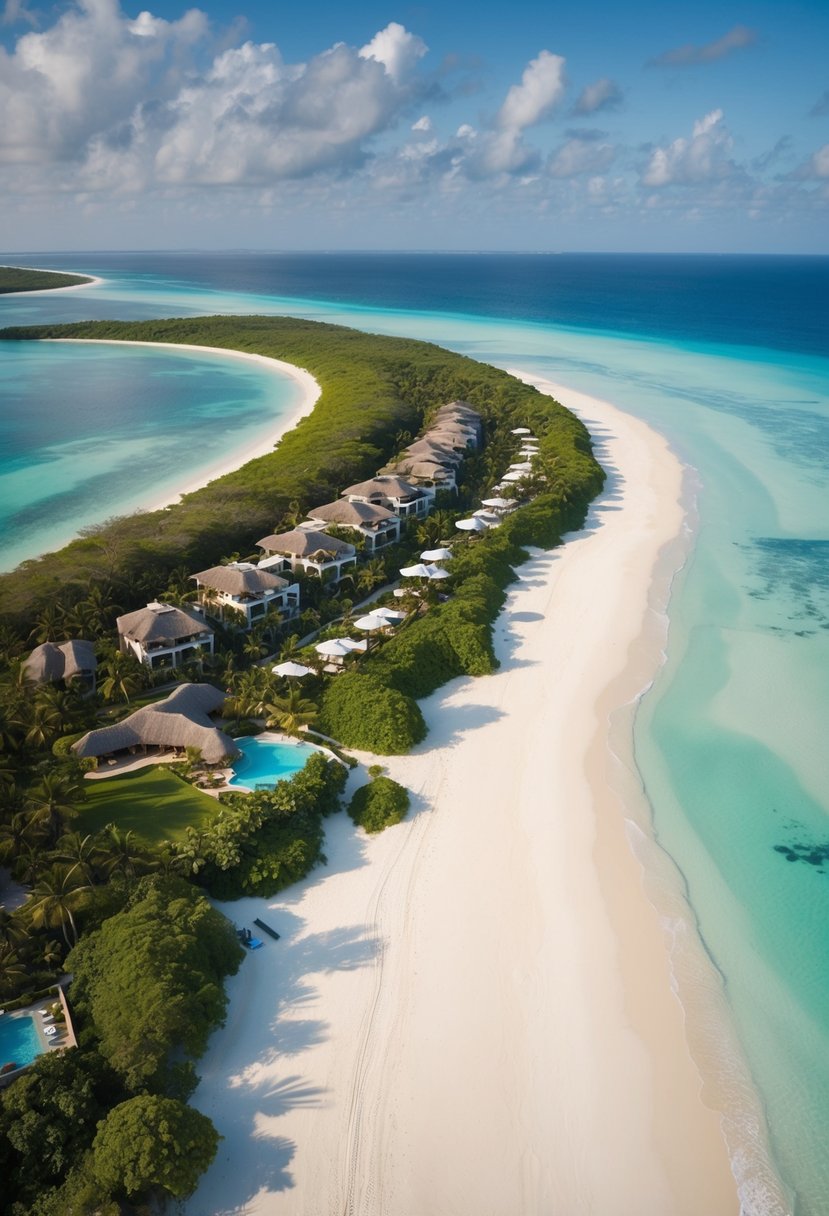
422, 124
604, 94
396, 49
542, 85
816, 167
705, 157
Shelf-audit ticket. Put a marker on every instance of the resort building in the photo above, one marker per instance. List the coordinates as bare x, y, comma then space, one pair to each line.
244, 593
393, 492
427, 474
53, 661
182, 720
377, 525
309, 551
162, 635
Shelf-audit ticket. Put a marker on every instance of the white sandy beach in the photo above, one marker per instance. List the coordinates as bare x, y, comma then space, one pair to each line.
94, 281
472, 1014
310, 391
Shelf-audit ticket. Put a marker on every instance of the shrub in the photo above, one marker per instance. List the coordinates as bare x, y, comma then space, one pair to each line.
379, 804
361, 711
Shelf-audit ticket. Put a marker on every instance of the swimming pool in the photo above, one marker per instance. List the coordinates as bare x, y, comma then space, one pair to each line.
19, 1041
264, 761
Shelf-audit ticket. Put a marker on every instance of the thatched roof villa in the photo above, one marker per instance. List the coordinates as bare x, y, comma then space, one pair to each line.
389, 491
378, 525
182, 720
53, 661
246, 589
308, 550
162, 635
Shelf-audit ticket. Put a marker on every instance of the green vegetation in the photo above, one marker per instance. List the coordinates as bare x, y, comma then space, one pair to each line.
360, 711
260, 843
373, 390
20, 278
155, 803
148, 983
379, 804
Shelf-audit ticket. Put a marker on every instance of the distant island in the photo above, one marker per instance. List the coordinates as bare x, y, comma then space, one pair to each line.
21, 278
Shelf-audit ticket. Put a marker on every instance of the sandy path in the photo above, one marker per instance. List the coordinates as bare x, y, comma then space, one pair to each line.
472, 1014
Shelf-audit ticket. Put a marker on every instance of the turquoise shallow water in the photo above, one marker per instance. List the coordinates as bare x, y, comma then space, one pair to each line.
730, 742
91, 431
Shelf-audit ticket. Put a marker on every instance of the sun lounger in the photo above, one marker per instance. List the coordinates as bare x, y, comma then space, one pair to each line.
267, 929
50, 1030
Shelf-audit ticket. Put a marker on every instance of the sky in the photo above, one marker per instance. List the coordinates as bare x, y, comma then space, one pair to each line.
529, 124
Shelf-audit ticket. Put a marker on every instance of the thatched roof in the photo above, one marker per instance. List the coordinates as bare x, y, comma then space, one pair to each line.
352, 514
239, 578
180, 721
51, 661
426, 449
302, 542
430, 470
384, 486
458, 409
161, 623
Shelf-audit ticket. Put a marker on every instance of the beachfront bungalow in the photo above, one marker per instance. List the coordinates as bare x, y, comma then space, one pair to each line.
399, 496
242, 589
429, 448
162, 635
53, 661
377, 525
462, 413
180, 721
309, 551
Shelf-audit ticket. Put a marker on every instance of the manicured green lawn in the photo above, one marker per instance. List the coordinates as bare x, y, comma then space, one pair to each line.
153, 802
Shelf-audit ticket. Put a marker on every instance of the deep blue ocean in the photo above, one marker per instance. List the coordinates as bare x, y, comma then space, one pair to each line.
729, 358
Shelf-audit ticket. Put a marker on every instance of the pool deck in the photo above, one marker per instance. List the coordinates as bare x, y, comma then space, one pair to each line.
65, 1036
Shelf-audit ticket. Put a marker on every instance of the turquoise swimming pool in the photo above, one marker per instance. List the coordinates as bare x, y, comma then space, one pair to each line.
19, 1041
265, 761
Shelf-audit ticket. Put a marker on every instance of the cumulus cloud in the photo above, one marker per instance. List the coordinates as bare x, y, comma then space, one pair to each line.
685, 56
705, 157
135, 102
604, 94
423, 123
15, 11
542, 85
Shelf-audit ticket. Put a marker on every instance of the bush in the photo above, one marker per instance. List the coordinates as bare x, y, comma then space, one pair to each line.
379, 804
361, 711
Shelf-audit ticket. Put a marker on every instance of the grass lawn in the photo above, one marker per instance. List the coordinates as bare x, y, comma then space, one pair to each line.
154, 803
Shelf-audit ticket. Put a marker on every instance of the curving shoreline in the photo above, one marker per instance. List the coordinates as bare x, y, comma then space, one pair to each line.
93, 281
309, 397
475, 1012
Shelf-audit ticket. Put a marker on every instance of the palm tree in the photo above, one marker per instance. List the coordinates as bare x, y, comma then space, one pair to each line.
13, 969
370, 575
48, 624
291, 712
52, 801
20, 832
434, 529
254, 647
124, 677
123, 853
81, 851
188, 858
54, 897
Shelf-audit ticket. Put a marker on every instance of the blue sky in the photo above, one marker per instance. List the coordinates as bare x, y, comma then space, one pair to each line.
423, 126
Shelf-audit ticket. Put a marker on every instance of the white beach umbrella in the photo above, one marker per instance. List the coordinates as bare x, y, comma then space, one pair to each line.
514, 475
293, 671
489, 517
471, 525
438, 572
521, 466
353, 644
500, 504
371, 622
418, 571
436, 555
390, 614
334, 648
521, 430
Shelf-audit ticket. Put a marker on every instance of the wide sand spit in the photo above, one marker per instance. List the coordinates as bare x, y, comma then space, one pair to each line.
472, 1014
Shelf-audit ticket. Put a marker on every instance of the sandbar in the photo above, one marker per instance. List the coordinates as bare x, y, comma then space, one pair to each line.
472, 1014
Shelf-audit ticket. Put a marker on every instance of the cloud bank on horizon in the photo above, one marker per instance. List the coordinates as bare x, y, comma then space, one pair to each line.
115, 123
